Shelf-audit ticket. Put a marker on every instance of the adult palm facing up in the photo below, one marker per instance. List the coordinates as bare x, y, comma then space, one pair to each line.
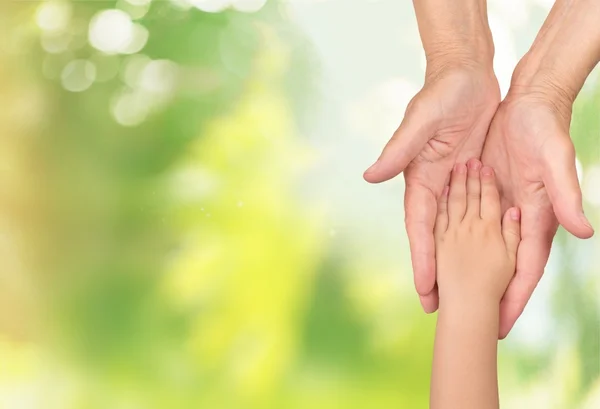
530, 148
445, 123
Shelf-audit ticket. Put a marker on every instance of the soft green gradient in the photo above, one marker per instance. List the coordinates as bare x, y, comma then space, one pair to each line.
202, 242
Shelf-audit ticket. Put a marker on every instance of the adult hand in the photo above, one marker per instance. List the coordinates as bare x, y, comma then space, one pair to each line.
531, 151
445, 123
530, 147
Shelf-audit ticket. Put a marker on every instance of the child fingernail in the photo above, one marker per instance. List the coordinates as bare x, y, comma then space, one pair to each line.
487, 171
474, 164
586, 222
515, 214
460, 168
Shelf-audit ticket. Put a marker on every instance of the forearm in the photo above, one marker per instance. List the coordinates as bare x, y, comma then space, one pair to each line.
455, 32
564, 53
465, 356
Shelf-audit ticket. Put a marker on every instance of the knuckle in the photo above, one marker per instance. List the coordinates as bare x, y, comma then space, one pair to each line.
488, 182
567, 148
414, 225
456, 199
563, 151
489, 194
514, 232
485, 228
468, 228
395, 136
415, 105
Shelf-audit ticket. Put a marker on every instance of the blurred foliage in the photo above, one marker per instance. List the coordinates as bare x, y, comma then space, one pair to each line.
170, 262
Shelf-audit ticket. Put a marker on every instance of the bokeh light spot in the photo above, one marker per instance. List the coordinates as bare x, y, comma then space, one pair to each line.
55, 42
139, 2
138, 40
159, 77
111, 31
132, 69
137, 9
53, 15
211, 6
248, 6
78, 75
130, 108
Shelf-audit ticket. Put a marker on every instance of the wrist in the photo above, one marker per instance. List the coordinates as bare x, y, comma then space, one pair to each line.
469, 300
476, 313
452, 57
455, 35
564, 53
546, 87
471, 319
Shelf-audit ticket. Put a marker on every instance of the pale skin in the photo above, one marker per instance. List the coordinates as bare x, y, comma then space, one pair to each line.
458, 115
476, 253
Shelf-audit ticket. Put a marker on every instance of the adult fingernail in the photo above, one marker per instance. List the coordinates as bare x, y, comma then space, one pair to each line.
515, 214
373, 167
446, 191
586, 221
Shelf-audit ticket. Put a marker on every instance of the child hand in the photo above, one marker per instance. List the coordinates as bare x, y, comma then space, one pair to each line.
476, 249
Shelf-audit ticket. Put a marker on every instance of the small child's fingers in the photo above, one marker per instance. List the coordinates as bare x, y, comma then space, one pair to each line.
490, 199
441, 222
511, 230
457, 199
473, 189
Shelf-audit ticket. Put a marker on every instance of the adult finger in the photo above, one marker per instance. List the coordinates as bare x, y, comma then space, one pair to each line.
441, 221
511, 231
562, 185
430, 302
420, 211
414, 132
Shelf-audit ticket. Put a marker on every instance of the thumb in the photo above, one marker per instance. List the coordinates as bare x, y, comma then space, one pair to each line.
406, 143
562, 185
511, 231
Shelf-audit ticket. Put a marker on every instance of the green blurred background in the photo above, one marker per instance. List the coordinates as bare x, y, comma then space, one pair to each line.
183, 222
